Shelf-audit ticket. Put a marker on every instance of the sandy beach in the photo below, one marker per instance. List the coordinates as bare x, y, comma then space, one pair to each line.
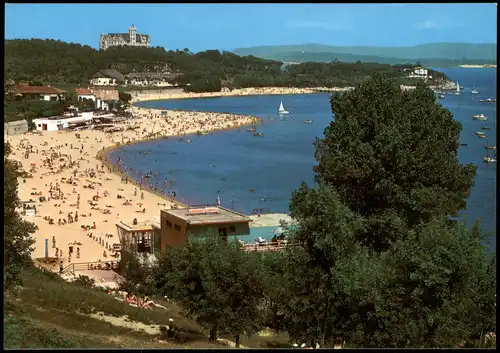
80, 196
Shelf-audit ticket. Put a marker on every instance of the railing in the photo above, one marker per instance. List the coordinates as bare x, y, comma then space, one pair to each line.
82, 266
267, 246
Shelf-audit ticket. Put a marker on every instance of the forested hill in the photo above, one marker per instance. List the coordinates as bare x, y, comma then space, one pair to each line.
56, 62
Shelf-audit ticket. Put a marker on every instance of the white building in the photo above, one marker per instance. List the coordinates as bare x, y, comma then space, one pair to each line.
85, 93
132, 38
107, 78
56, 123
164, 79
419, 72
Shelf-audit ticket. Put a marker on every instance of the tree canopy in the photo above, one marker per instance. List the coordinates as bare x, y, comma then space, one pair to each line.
376, 263
17, 241
215, 283
378, 152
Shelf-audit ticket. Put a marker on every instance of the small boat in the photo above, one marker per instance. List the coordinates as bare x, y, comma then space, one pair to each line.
252, 129
441, 96
485, 128
308, 121
474, 90
489, 147
258, 134
282, 110
487, 159
481, 117
463, 144
457, 93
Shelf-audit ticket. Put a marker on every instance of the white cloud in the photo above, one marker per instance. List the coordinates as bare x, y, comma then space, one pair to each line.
329, 26
427, 25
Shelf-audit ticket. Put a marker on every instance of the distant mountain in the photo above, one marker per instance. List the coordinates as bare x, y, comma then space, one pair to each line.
299, 57
458, 52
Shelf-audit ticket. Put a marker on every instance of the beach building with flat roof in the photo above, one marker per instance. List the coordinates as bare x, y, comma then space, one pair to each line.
198, 221
138, 237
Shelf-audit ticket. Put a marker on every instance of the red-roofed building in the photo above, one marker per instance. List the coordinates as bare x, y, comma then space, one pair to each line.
85, 93
46, 93
101, 96
104, 96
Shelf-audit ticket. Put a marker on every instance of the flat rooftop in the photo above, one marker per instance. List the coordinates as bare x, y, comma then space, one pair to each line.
208, 215
140, 226
270, 220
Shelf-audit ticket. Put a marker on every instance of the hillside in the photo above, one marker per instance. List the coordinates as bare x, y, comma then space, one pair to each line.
48, 312
456, 53
59, 63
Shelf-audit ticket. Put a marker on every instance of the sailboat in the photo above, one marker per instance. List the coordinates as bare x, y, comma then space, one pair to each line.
474, 90
282, 110
457, 93
488, 159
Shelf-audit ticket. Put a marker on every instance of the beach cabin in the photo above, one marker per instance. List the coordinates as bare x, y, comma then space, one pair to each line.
137, 238
29, 208
199, 221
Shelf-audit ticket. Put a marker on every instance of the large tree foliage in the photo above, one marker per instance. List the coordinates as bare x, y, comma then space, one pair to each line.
374, 261
325, 234
17, 241
216, 283
436, 288
392, 156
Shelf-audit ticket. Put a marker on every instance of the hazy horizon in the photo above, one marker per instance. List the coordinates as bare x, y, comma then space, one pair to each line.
221, 26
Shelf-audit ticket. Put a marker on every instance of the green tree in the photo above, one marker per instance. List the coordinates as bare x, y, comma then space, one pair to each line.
379, 151
216, 283
434, 289
374, 260
326, 232
17, 243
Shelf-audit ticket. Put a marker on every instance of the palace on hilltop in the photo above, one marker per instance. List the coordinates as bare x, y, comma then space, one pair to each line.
129, 39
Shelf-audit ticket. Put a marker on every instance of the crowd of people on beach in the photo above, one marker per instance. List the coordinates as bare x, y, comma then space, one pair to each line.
72, 180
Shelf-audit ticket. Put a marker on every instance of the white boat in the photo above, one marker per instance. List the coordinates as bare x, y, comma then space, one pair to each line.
282, 110
489, 159
457, 93
481, 117
308, 121
474, 90
479, 133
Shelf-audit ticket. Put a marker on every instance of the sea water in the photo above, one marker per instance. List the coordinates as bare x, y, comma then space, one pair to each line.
235, 162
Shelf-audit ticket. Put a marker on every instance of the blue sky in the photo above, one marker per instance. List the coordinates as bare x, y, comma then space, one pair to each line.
228, 26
